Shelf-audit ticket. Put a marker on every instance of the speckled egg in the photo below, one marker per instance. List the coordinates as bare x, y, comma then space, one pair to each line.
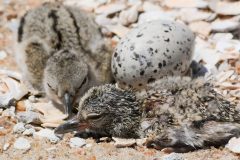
151, 51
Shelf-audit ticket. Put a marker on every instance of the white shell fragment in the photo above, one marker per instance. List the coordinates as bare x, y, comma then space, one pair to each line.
77, 142
22, 143
152, 50
10, 89
234, 145
120, 142
47, 133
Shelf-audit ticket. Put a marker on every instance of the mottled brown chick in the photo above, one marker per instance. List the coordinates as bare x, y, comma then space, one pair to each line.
177, 113
61, 51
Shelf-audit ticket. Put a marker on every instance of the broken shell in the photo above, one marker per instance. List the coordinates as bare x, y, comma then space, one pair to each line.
11, 89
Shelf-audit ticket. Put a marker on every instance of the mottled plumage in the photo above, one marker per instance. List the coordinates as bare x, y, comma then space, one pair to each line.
62, 51
177, 113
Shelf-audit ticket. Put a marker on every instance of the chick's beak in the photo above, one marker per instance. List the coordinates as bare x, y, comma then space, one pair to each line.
72, 125
68, 100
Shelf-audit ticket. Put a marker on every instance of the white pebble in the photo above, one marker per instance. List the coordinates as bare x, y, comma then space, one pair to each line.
6, 146
29, 132
120, 142
77, 142
173, 156
47, 133
22, 143
19, 128
3, 55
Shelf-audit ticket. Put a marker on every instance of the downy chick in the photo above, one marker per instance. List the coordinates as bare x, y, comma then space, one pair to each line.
176, 113
61, 51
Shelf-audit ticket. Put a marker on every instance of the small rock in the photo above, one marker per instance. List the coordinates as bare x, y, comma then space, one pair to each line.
47, 133
77, 142
129, 16
119, 142
154, 15
201, 27
29, 117
32, 99
234, 145
110, 8
193, 14
186, 3
3, 55
118, 30
173, 156
88, 5
22, 143
19, 128
6, 146
9, 112
103, 20
20, 106
148, 6
225, 7
224, 25
141, 142
29, 132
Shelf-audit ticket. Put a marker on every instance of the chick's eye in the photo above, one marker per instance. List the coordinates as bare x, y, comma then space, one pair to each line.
83, 82
93, 116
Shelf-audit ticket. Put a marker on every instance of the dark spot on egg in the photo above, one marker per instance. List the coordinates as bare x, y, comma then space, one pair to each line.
188, 39
149, 64
120, 65
164, 63
142, 73
118, 59
156, 51
159, 65
167, 40
140, 84
139, 35
166, 31
150, 80
155, 71
115, 54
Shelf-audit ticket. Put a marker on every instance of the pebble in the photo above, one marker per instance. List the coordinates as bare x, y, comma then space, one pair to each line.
77, 142
110, 8
186, 3
173, 156
19, 128
6, 146
29, 117
201, 27
225, 7
193, 14
154, 15
32, 99
148, 6
3, 55
29, 132
9, 112
129, 16
233, 145
47, 133
22, 143
120, 142
224, 25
